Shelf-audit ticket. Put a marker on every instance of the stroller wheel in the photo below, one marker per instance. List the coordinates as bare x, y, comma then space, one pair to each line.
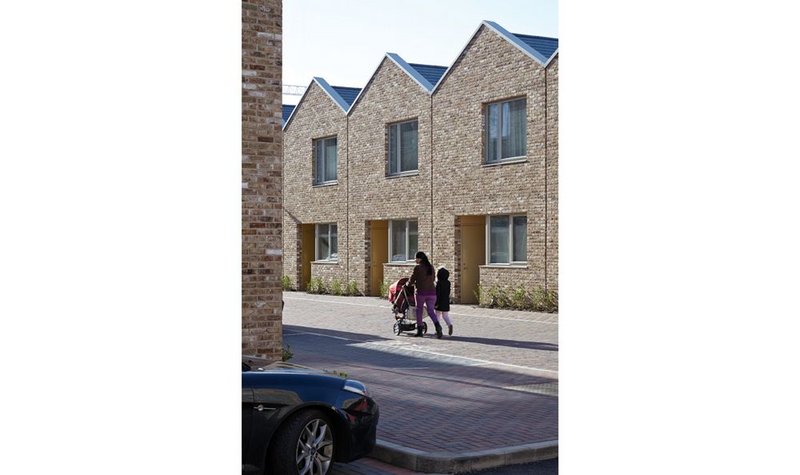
424, 327
396, 328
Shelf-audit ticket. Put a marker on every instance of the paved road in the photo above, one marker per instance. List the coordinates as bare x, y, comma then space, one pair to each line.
492, 385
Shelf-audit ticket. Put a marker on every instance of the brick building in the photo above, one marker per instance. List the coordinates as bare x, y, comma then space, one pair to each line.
262, 239
459, 162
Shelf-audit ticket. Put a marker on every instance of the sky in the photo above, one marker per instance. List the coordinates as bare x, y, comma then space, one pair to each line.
344, 41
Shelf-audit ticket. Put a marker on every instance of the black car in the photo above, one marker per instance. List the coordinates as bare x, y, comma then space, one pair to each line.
298, 421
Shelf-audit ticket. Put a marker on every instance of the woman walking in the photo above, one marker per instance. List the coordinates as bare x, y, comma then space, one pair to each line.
423, 279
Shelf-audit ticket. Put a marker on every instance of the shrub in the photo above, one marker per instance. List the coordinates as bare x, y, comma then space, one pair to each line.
384, 289
287, 353
316, 286
286, 283
519, 299
336, 287
352, 288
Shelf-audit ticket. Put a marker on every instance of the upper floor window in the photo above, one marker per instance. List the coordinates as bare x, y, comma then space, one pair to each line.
506, 130
402, 240
403, 144
327, 243
324, 160
508, 239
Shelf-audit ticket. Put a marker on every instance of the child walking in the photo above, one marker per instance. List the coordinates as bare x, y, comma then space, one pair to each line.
442, 305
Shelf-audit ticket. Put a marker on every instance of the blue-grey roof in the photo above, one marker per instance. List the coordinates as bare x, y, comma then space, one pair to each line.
287, 111
349, 94
429, 72
545, 46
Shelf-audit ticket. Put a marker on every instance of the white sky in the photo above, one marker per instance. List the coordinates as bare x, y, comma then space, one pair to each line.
344, 41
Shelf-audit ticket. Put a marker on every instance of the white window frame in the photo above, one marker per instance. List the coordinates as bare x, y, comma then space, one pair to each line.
488, 249
409, 256
398, 152
317, 235
499, 104
324, 160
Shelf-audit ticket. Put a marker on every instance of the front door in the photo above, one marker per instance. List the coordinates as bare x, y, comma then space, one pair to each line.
473, 255
379, 254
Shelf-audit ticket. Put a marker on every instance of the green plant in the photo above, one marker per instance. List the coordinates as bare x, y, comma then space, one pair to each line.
384, 289
519, 299
286, 283
352, 288
316, 286
287, 353
336, 287
545, 300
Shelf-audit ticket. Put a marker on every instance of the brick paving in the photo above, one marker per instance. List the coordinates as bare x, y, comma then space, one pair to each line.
492, 385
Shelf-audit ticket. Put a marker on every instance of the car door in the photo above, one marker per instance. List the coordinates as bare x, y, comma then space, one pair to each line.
248, 402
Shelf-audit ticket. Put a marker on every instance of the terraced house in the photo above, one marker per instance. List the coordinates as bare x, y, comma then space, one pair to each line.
460, 162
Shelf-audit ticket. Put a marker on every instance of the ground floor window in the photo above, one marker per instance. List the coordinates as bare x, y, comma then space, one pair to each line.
402, 240
507, 240
327, 243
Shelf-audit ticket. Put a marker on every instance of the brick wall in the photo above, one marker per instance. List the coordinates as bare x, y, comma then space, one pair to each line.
490, 69
261, 178
391, 96
317, 116
552, 174
452, 180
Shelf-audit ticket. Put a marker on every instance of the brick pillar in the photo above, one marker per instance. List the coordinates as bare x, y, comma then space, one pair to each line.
262, 208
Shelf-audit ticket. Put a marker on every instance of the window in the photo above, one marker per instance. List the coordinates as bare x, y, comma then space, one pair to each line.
325, 160
506, 130
327, 243
508, 239
403, 147
402, 240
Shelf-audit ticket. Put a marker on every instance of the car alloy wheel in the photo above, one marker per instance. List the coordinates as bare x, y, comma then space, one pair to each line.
314, 448
303, 446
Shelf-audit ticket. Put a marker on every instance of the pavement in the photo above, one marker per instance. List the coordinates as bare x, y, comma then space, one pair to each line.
485, 397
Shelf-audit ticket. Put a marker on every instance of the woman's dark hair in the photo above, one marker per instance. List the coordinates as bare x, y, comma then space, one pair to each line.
425, 262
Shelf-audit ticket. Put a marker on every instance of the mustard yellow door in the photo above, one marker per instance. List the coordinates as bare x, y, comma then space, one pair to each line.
473, 255
379, 254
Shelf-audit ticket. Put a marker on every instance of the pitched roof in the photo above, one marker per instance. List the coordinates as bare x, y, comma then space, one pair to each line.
425, 75
544, 45
540, 48
342, 96
287, 111
543, 51
429, 72
349, 94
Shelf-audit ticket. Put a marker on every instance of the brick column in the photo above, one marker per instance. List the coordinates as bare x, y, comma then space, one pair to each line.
262, 208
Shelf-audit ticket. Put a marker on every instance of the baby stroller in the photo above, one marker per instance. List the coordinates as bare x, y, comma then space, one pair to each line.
402, 298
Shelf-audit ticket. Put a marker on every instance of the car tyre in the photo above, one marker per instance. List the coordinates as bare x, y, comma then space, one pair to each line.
304, 446
397, 329
424, 327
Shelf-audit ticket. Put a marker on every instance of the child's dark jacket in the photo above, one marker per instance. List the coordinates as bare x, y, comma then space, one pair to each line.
442, 291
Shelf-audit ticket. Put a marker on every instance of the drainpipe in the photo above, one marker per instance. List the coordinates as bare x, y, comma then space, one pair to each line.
546, 196
430, 125
347, 200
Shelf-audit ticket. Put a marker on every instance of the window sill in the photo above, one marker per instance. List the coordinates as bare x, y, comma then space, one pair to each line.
507, 161
327, 183
325, 262
505, 266
400, 263
404, 174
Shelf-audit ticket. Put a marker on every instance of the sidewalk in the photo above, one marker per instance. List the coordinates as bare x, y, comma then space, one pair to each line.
485, 397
